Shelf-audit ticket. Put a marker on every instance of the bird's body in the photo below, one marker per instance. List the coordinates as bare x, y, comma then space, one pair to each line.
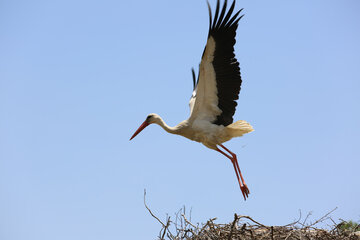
216, 90
204, 131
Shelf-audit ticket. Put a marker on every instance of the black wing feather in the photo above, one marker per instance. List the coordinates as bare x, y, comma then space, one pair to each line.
226, 66
194, 78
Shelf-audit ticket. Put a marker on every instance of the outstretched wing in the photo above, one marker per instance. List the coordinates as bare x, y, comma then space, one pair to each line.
219, 81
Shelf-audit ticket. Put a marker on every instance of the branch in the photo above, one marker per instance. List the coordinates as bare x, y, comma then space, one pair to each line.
236, 218
187, 221
321, 219
253, 221
164, 226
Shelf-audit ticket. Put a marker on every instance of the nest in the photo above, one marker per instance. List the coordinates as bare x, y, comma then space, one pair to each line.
246, 228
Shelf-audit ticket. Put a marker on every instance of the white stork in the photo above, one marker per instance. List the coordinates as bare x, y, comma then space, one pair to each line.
213, 101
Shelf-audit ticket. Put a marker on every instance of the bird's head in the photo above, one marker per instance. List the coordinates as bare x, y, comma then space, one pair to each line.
151, 118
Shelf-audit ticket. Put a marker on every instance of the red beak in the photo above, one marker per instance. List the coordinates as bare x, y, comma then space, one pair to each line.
144, 125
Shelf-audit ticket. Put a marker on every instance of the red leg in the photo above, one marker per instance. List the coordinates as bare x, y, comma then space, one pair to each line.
243, 187
237, 164
232, 160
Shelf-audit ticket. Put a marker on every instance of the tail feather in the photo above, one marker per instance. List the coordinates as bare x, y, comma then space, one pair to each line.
239, 128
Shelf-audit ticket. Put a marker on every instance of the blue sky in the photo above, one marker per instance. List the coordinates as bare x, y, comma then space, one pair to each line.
78, 77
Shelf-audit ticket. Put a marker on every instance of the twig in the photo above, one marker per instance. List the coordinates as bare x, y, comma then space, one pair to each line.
288, 235
294, 223
233, 225
166, 227
321, 219
163, 225
187, 221
151, 212
307, 216
253, 221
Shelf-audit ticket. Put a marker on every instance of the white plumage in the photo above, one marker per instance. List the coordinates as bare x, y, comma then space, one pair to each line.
213, 102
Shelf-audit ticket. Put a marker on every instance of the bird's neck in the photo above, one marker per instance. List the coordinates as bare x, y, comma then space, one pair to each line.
173, 130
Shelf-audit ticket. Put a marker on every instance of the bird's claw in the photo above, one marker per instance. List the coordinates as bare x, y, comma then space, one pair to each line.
245, 191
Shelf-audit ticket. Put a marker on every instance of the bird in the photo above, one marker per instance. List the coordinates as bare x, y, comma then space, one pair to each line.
215, 91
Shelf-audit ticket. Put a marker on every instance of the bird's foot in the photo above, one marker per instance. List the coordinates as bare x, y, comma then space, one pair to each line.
245, 191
